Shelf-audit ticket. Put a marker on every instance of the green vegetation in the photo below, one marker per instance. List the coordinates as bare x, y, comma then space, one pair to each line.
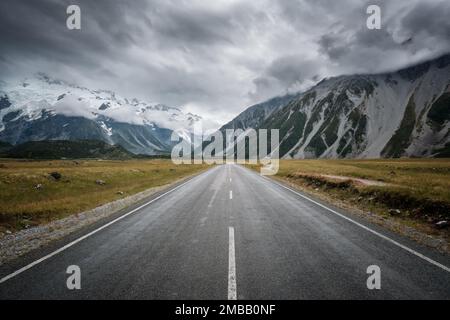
290, 121
361, 129
443, 152
292, 129
345, 146
30, 195
4, 147
60, 149
402, 137
315, 114
355, 135
327, 131
316, 145
331, 131
440, 110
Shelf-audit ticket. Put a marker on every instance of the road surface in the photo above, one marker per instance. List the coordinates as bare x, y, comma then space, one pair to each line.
229, 233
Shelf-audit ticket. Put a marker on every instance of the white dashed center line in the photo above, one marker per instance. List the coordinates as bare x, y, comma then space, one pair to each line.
232, 289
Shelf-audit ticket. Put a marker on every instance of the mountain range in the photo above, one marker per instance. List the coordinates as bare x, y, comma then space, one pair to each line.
405, 113
41, 108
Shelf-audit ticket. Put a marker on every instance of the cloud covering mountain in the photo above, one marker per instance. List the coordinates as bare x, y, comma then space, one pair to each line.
396, 114
215, 57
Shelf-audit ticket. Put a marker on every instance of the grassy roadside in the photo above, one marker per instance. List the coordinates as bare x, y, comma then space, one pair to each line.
30, 196
413, 192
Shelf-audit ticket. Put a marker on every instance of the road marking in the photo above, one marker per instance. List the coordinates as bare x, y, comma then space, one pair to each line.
230, 179
32, 264
418, 254
232, 289
213, 197
202, 221
231, 194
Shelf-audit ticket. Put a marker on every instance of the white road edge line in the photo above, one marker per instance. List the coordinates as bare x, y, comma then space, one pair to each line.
232, 289
231, 194
32, 264
443, 267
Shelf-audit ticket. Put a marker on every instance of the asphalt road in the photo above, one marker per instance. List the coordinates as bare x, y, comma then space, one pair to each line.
230, 233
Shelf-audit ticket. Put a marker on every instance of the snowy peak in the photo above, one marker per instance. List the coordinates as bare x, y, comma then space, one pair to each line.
71, 100
40, 107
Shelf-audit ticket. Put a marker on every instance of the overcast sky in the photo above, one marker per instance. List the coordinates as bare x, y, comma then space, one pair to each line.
215, 57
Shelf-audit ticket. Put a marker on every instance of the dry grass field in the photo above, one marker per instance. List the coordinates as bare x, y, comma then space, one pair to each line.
421, 178
29, 195
410, 189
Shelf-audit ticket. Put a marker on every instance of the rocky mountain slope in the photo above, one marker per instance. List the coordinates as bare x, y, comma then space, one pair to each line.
41, 108
403, 113
256, 114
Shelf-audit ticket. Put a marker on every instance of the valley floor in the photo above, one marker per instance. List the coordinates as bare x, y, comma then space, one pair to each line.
229, 233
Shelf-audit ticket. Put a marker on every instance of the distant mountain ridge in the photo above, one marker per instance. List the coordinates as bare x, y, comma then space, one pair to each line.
70, 149
396, 114
256, 114
41, 108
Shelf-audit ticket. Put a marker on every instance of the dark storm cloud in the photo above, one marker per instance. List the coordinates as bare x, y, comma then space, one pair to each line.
215, 57
333, 46
198, 27
286, 74
431, 19
410, 32
291, 69
37, 30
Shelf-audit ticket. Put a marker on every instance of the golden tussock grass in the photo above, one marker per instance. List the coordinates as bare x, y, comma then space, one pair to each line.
22, 204
419, 188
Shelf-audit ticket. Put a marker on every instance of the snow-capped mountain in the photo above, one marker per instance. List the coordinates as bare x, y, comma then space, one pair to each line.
403, 113
41, 108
